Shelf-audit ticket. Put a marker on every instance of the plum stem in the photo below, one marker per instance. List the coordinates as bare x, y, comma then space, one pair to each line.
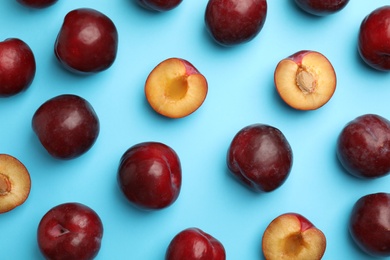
58, 230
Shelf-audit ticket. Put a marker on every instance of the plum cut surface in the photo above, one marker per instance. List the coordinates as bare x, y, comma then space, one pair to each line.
175, 88
15, 183
291, 236
305, 80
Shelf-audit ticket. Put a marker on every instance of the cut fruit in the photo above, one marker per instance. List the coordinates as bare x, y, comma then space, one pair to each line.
175, 88
292, 236
305, 80
15, 183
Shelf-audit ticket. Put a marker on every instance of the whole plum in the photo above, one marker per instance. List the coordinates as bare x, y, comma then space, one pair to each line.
231, 22
363, 146
260, 156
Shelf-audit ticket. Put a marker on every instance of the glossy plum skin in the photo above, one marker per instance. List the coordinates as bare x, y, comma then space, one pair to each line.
87, 41
159, 5
70, 231
321, 7
37, 3
260, 156
232, 22
363, 146
374, 39
17, 67
149, 175
67, 126
369, 224
195, 244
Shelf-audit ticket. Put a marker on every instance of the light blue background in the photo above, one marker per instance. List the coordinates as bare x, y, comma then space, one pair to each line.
241, 92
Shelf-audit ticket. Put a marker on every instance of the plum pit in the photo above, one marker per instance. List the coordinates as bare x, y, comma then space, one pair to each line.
5, 185
306, 81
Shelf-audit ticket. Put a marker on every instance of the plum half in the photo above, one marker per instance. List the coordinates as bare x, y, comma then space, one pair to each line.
305, 80
15, 183
291, 236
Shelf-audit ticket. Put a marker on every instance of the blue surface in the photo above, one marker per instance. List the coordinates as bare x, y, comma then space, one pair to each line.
241, 92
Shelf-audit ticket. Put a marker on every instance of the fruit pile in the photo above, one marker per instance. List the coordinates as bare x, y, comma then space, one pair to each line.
74, 132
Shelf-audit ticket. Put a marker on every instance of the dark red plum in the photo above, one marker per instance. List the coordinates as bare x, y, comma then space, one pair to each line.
363, 146
159, 5
67, 126
374, 39
260, 156
369, 224
70, 231
37, 3
195, 244
232, 22
17, 67
87, 41
149, 175
321, 7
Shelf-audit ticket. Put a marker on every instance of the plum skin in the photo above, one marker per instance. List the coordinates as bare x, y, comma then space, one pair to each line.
363, 146
195, 244
232, 22
18, 77
70, 231
368, 224
149, 175
159, 5
260, 156
37, 3
87, 41
67, 126
373, 39
321, 7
